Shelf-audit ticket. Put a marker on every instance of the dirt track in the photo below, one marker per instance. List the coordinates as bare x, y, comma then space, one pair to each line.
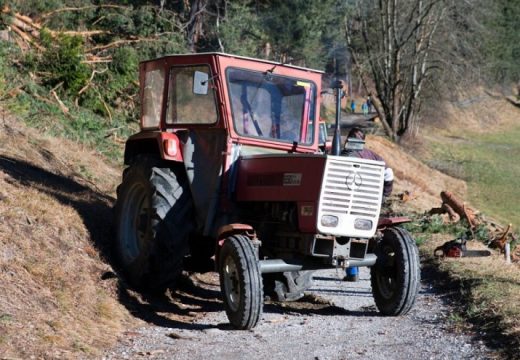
336, 320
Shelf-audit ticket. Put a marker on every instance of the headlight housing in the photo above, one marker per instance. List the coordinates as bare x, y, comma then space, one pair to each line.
329, 220
362, 224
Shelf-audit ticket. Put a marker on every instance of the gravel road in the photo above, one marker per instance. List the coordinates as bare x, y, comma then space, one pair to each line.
335, 320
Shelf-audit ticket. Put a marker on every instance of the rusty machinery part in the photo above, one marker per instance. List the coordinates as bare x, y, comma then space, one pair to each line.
225, 232
392, 221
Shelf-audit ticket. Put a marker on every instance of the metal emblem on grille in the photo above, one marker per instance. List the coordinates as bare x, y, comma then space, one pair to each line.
353, 181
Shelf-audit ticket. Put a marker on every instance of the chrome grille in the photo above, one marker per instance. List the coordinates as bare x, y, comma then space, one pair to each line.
351, 188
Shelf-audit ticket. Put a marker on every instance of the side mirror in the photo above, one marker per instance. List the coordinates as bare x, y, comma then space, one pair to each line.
200, 83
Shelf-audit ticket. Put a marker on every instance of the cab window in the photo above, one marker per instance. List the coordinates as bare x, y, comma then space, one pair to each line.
185, 106
152, 98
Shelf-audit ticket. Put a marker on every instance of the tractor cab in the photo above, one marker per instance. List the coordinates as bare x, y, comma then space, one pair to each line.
261, 105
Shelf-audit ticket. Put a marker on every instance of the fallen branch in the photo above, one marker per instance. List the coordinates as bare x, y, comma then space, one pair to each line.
26, 38
106, 108
67, 9
41, 98
118, 43
63, 108
89, 82
86, 33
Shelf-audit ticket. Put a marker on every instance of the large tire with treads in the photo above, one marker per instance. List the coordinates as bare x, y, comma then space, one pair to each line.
241, 282
153, 222
396, 276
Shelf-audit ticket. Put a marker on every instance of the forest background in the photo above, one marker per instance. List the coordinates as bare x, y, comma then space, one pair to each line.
70, 58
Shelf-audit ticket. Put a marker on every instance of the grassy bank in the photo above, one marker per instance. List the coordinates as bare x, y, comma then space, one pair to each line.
490, 164
482, 147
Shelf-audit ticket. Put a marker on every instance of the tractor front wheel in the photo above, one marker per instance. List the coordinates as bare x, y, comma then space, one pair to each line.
396, 276
241, 282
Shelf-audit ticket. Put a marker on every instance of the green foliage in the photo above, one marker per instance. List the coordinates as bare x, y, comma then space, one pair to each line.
481, 233
61, 62
502, 39
241, 31
298, 30
434, 224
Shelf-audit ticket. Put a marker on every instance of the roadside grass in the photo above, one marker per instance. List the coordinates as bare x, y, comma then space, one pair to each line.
486, 289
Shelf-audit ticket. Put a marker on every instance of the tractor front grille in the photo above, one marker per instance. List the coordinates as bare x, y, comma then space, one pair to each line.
352, 190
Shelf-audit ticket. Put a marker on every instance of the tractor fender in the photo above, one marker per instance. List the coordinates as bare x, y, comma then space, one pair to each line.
164, 144
391, 221
233, 229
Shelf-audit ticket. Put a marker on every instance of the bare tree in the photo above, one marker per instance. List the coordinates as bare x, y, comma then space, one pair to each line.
195, 28
392, 43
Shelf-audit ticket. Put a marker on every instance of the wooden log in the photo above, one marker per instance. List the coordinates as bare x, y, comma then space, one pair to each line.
454, 217
459, 207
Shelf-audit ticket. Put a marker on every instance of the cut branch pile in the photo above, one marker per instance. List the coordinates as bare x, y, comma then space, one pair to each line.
27, 32
455, 209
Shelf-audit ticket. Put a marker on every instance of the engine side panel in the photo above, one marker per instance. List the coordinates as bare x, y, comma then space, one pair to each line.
286, 177
293, 178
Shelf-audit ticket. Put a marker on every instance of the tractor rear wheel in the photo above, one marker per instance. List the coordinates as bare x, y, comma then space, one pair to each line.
241, 282
153, 222
396, 276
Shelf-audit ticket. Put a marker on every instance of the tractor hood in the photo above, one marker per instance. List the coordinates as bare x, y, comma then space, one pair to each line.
335, 195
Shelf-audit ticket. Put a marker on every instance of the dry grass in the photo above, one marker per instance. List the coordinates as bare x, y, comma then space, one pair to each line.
424, 183
489, 291
54, 228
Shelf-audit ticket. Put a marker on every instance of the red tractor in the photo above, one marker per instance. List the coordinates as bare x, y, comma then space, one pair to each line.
227, 167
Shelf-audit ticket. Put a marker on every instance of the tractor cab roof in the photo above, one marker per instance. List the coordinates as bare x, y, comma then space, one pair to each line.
231, 56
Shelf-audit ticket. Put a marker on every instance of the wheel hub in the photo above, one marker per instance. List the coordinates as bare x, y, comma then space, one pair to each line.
231, 283
135, 223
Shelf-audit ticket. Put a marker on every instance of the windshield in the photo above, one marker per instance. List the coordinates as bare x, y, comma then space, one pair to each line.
270, 106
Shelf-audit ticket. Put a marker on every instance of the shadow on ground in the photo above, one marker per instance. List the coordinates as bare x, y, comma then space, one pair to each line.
95, 208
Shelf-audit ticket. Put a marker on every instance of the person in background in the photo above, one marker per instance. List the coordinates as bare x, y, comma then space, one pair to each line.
352, 106
364, 108
369, 103
352, 273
